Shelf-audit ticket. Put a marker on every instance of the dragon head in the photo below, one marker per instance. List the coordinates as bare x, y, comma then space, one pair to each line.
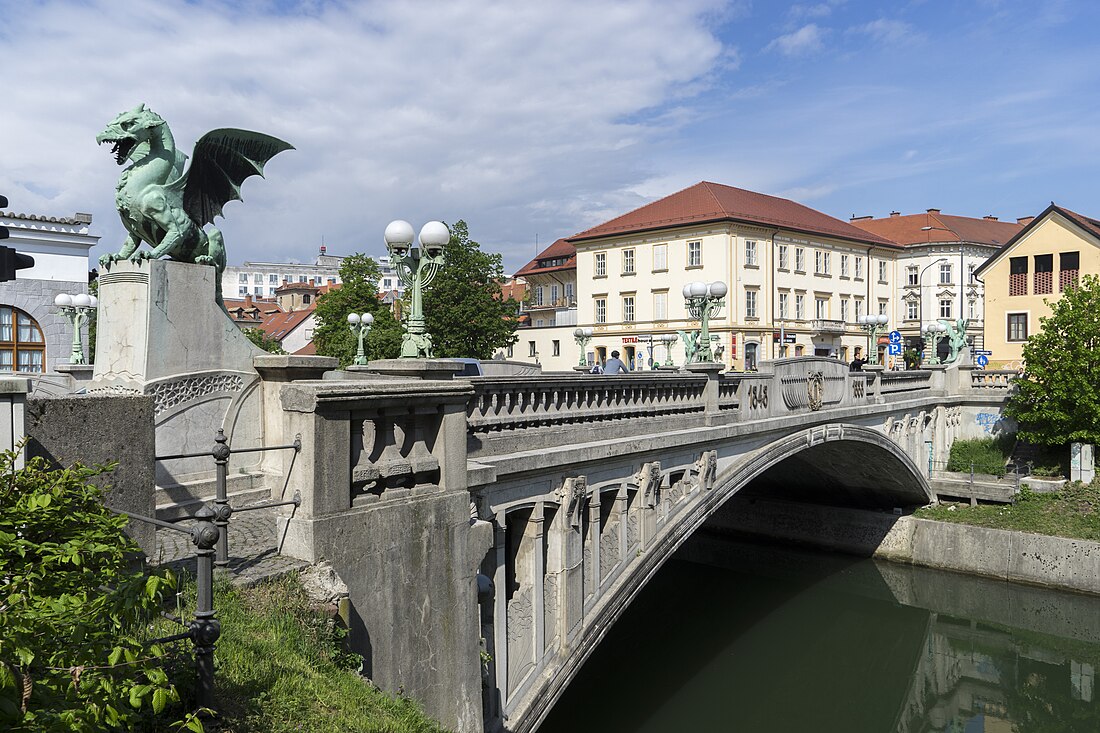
130, 133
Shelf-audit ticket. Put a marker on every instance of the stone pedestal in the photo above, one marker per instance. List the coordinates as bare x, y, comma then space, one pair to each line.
160, 333
420, 368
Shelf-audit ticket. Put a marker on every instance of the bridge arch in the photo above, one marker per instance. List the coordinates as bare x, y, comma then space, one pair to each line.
869, 469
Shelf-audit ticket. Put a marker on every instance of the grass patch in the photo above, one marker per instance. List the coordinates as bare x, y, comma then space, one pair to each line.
1072, 512
281, 667
985, 455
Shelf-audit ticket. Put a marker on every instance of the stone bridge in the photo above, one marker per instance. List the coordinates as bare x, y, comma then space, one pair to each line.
491, 530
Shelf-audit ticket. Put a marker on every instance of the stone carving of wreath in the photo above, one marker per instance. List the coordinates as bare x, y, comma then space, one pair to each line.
815, 389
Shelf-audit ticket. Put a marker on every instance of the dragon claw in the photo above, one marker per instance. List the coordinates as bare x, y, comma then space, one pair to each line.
204, 260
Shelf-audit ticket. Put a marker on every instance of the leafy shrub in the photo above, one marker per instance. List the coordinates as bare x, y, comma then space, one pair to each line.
73, 606
987, 455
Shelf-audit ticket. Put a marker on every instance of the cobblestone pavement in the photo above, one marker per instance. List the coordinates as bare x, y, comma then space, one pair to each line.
253, 553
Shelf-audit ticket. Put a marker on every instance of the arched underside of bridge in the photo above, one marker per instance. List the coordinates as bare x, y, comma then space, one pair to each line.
831, 464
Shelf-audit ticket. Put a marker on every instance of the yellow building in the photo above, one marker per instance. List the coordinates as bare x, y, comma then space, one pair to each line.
1033, 269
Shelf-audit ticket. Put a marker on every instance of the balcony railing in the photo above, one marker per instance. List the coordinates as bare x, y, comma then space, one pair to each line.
824, 325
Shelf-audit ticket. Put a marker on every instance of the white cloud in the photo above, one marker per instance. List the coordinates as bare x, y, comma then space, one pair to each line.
806, 40
460, 109
887, 32
800, 11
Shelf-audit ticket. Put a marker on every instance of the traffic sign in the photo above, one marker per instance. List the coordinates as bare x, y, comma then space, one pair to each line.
982, 360
982, 352
894, 349
895, 338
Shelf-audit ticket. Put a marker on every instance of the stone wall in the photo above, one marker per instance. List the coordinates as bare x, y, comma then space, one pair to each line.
97, 429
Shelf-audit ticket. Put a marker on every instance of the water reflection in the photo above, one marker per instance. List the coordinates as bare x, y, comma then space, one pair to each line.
776, 639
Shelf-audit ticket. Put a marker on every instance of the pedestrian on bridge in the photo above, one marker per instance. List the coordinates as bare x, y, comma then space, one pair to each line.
614, 365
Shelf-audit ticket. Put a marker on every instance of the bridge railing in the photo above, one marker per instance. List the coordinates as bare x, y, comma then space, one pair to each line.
514, 403
992, 379
908, 381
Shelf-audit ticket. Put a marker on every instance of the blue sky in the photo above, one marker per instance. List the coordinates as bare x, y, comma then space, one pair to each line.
542, 119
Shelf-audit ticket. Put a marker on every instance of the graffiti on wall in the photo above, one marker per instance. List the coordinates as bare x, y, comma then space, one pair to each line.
987, 420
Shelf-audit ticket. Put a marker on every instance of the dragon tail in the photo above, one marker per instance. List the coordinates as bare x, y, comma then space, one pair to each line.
216, 250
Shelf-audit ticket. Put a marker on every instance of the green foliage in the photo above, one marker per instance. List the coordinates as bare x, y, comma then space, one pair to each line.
1057, 399
1072, 512
282, 667
911, 358
464, 308
260, 338
73, 606
358, 293
986, 455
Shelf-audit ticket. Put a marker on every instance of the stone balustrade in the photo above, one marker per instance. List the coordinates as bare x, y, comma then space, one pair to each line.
995, 379
907, 381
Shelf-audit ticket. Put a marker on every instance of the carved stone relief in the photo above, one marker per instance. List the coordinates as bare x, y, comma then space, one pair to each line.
573, 495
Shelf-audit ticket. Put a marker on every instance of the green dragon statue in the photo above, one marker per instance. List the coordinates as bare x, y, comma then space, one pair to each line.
167, 207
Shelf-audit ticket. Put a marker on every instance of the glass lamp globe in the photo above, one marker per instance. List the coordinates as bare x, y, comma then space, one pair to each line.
94, 301
82, 300
434, 236
399, 235
698, 289
353, 319
578, 333
717, 289
63, 300
588, 331
367, 319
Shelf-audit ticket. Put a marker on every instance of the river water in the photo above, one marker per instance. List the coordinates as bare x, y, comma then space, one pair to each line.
732, 636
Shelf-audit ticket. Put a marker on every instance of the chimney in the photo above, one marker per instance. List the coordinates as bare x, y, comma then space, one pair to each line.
1024, 220
933, 211
989, 217
247, 301
860, 218
895, 213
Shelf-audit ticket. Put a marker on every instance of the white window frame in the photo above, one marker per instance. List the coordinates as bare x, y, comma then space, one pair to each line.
660, 257
660, 306
750, 252
946, 307
945, 273
799, 259
599, 309
911, 307
629, 265
844, 265
695, 253
750, 304
600, 264
912, 273
628, 309
881, 271
784, 257
821, 308
799, 306
859, 268
784, 305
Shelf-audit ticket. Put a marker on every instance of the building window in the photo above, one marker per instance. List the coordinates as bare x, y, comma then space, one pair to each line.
881, 271
784, 305
750, 251
601, 310
660, 257
859, 308
750, 304
844, 265
1044, 274
695, 254
784, 260
288, 278
257, 278
601, 264
628, 261
258, 291
799, 259
569, 294
22, 347
272, 279
911, 275
303, 279
970, 273
628, 308
243, 278
821, 308
511, 350
821, 262
799, 307
1069, 264
945, 307
1017, 276
556, 347
945, 273
660, 306
844, 309
883, 307
387, 283
531, 348
910, 310
306, 299
972, 309
859, 268
1017, 326
554, 293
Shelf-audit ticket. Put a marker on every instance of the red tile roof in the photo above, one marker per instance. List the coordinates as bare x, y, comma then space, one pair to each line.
278, 325
1090, 225
559, 250
712, 202
912, 229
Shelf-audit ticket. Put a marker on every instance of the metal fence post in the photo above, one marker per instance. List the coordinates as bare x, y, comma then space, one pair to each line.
205, 628
222, 510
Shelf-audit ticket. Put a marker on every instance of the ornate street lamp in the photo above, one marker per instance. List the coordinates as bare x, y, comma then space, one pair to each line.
76, 308
666, 339
360, 326
935, 331
703, 300
416, 267
583, 336
872, 324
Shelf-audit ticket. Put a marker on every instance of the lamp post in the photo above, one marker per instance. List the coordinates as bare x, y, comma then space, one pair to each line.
961, 264
666, 339
935, 331
920, 293
416, 267
76, 308
872, 324
704, 300
360, 326
583, 336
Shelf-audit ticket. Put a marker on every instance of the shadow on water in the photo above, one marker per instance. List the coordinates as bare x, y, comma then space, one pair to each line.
766, 638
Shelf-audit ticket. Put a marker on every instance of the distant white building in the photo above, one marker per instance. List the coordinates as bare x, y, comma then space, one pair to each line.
262, 279
34, 337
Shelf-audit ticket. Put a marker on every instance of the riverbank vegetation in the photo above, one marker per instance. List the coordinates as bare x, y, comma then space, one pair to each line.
282, 667
1074, 512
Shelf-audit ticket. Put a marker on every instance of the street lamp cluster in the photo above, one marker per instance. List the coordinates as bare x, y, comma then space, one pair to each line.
872, 324
416, 267
703, 300
935, 331
77, 308
360, 326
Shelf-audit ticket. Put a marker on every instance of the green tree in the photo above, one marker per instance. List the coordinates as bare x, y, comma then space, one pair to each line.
358, 293
1057, 398
464, 308
73, 609
260, 338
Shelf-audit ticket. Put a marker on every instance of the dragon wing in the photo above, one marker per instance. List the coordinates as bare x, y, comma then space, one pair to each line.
222, 160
